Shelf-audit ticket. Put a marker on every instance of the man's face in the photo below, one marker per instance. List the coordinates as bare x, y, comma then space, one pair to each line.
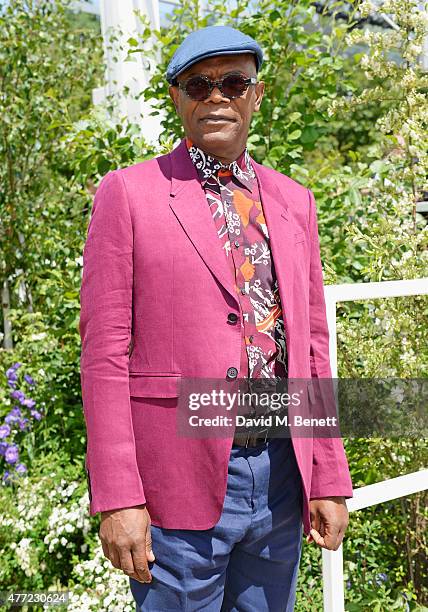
219, 125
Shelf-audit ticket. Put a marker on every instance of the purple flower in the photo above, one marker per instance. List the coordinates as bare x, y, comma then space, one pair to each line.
6, 476
21, 468
11, 374
29, 380
36, 414
4, 431
29, 403
18, 395
24, 424
12, 454
13, 416
381, 578
3, 447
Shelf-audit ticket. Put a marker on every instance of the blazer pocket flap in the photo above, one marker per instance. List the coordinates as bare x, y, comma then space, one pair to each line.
154, 385
299, 237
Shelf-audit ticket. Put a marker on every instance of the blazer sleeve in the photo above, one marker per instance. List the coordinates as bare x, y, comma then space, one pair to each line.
105, 329
330, 470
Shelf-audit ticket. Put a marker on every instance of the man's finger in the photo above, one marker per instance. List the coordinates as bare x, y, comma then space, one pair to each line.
114, 556
315, 521
149, 550
141, 567
105, 549
315, 524
331, 537
318, 539
339, 538
127, 562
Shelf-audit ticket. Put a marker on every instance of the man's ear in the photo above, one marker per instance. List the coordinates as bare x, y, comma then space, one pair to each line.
174, 93
260, 90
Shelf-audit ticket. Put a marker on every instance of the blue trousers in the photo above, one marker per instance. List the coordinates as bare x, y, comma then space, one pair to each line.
247, 562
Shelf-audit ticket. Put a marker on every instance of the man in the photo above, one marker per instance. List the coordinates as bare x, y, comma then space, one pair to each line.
207, 264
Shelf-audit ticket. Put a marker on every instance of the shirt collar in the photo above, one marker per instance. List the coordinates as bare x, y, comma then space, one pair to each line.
208, 166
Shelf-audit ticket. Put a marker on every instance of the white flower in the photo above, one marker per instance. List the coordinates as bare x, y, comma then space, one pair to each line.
366, 8
23, 554
39, 336
397, 394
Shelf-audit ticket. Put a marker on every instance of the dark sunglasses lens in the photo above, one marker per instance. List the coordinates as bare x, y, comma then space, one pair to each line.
234, 86
197, 88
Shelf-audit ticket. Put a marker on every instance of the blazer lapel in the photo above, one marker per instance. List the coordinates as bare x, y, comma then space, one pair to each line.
189, 204
281, 228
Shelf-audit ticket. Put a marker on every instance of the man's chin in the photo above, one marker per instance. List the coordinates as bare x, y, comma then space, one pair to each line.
217, 139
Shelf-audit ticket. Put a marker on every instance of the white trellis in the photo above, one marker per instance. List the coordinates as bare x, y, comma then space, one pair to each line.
381, 491
124, 80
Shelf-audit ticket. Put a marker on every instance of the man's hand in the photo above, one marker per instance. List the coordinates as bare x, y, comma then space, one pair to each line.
127, 542
329, 520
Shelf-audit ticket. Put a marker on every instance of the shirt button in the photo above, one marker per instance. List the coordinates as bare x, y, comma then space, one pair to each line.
243, 291
251, 338
232, 373
236, 243
232, 318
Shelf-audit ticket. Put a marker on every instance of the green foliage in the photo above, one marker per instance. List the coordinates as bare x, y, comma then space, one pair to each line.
47, 70
95, 146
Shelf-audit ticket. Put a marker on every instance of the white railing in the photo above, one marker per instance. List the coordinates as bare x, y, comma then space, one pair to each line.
332, 561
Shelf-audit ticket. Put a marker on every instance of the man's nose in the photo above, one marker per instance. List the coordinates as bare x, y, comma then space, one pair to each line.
216, 96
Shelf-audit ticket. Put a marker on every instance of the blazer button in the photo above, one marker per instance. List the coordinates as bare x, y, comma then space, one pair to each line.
232, 372
232, 318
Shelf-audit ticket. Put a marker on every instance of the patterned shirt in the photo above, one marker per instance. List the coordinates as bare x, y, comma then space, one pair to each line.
233, 196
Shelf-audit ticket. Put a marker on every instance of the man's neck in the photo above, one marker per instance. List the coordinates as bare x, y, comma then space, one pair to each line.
224, 160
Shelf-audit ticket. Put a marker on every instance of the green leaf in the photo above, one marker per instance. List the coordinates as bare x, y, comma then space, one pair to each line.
295, 134
103, 165
309, 134
274, 15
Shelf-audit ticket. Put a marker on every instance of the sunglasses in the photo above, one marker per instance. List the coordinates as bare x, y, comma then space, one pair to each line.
199, 87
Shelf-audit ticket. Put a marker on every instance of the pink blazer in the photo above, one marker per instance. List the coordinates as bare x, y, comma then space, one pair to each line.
155, 297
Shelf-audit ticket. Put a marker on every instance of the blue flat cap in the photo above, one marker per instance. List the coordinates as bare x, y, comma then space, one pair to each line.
209, 42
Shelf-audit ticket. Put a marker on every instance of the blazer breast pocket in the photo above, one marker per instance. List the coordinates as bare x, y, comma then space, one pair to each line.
299, 237
154, 384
